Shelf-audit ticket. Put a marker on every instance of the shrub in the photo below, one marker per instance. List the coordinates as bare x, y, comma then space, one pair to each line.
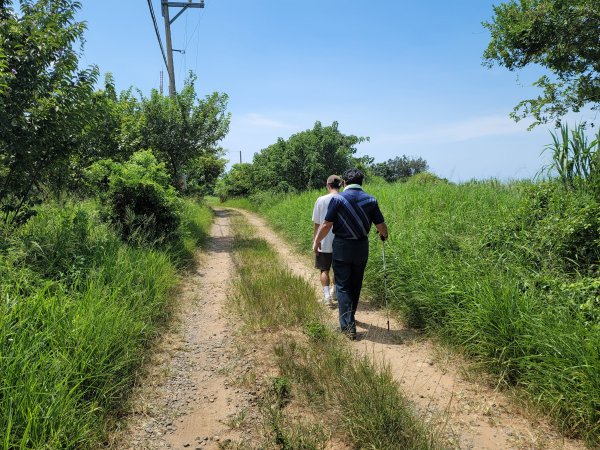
399, 168
426, 178
141, 203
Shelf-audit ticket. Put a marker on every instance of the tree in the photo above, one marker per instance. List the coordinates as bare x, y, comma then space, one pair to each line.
559, 35
399, 168
183, 128
239, 182
44, 96
204, 171
306, 159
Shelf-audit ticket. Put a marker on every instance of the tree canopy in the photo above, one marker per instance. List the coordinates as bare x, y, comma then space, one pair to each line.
185, 130
56, 122
400, 168
560, 35
44, 96
306, 159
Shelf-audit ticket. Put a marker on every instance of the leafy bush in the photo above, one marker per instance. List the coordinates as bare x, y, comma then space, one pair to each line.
239, 182
139, 199
426, 178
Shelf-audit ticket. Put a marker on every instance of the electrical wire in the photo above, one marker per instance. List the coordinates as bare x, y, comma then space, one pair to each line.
162, 50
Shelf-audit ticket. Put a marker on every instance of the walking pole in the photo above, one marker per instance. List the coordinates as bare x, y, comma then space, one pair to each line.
385, 284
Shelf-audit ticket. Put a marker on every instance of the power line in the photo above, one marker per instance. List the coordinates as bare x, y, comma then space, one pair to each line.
162, 50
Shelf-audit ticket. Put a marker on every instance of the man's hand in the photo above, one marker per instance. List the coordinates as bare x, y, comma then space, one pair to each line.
316, 246
321, 233
382, 231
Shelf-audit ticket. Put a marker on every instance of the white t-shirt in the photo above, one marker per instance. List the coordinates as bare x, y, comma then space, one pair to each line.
319, 212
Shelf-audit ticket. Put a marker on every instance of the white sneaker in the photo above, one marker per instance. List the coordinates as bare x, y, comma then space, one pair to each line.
327, 300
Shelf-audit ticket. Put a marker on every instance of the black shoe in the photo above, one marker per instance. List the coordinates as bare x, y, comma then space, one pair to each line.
350, 334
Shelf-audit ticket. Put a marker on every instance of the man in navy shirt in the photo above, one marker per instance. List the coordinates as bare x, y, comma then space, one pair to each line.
350, 215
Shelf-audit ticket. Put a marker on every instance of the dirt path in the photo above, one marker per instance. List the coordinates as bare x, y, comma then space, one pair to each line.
471, 414
187, 400
190, 399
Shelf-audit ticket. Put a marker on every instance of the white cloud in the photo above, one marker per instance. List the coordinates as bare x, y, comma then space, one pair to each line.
259, 120
466, 130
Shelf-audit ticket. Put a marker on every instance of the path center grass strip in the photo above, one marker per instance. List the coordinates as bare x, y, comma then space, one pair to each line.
356, 395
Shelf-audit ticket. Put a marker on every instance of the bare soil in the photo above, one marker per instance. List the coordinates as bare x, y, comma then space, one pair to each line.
202, 387
193, 394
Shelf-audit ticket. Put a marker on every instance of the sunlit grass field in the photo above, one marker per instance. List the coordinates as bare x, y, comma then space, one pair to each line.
446, 277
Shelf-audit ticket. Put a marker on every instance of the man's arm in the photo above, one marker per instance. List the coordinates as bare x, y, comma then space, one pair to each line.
382, 230
316, 228
321, 233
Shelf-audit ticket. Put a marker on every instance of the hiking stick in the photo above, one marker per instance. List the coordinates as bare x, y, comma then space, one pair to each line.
387, 311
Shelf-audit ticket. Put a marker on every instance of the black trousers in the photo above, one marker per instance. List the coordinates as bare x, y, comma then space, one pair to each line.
349, 262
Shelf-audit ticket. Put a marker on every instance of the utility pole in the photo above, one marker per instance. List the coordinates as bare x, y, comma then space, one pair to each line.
168, 21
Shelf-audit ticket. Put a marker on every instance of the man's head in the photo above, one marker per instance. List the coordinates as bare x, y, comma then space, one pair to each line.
353, 176
334, 182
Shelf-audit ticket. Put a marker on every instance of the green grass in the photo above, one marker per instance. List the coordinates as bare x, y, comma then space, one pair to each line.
447, 275
79, 310
358, 396
269, 295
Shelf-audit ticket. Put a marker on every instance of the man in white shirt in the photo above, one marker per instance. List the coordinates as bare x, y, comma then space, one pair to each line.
323, 257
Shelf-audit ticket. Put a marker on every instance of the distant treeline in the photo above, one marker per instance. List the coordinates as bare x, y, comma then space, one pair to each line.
305, 160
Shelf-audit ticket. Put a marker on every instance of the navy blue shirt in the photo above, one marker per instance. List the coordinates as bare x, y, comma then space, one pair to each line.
352, 213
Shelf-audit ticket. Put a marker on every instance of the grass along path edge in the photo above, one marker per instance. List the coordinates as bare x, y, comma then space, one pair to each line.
451, 391
345, 397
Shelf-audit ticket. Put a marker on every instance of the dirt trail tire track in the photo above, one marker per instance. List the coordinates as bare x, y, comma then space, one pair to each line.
470, 414
186, 401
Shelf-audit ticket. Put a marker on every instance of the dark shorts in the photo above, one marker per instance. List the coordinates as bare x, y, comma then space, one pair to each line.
323, 261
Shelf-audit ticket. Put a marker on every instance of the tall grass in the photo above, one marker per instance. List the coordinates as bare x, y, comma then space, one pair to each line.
575, 159
359, 397
454, 274
78, 311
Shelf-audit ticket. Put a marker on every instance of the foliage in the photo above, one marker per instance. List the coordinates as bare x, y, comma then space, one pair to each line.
57, 242
426, 178
140, 200
238, 182
45, 99
559, 35
204, 171
182, 130
575, 160
305, 160
553, 230
400, 168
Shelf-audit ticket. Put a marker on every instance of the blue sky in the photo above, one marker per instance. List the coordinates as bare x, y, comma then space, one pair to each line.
409, 75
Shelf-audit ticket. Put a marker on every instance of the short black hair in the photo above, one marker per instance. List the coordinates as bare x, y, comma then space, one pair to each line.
353, 176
